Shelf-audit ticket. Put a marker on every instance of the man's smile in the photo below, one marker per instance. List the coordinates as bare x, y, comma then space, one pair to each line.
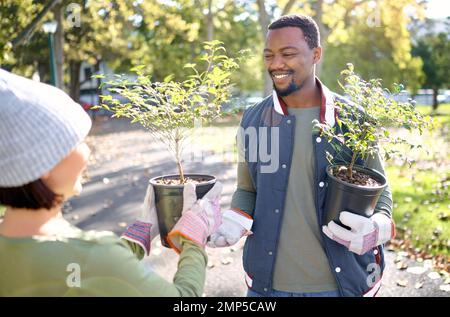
281, 77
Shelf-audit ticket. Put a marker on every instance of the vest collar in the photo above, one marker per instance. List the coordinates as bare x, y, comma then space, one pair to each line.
327, 111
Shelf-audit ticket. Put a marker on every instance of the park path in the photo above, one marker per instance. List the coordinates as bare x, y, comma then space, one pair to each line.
124, 157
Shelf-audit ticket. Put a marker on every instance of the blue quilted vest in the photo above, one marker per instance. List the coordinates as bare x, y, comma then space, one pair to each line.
356, 275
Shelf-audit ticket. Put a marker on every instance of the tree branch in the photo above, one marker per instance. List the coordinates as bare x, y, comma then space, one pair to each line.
287, 8
263, 17
28, 31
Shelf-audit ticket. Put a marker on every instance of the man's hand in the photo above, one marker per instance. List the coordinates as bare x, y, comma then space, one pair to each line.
145, 228
234, 226
365, 233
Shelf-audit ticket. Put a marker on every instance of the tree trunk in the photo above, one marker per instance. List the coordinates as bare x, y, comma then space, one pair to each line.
98, 80
435, 98
42, 69
264, 21
59, 46
178, 156
25, 35
210, 22
323, 31
75, 67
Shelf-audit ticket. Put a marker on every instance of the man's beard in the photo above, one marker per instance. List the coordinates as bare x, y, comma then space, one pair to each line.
293, 87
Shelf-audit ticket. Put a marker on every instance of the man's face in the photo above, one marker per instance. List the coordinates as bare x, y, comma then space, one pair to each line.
288, 59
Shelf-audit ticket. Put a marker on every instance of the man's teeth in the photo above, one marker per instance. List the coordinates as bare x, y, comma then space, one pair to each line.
280, 76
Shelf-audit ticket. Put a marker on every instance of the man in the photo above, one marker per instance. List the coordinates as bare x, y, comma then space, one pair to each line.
289, 250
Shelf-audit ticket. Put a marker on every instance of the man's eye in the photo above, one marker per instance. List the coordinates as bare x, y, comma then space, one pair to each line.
268, 56
289, 54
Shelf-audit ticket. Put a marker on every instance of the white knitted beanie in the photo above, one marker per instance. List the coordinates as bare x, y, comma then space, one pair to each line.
39, 126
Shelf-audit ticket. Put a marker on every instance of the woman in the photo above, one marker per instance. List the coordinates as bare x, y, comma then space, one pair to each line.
42, 157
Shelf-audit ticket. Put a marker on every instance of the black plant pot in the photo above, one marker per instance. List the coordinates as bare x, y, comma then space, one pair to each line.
360, 200
169, 200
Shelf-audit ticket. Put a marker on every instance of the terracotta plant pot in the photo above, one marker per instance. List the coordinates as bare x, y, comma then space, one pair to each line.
169, 200
357, 199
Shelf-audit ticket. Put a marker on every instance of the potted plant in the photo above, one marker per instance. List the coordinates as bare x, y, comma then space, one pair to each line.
169, 110
362, 125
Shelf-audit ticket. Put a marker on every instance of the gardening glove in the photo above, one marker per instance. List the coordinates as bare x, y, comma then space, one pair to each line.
141, 233
365, 233
199, 217
235, 225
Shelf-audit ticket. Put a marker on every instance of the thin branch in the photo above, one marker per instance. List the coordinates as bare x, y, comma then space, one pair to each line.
28, 31
287, 8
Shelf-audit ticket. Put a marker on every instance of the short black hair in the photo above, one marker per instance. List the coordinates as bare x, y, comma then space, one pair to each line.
34, 195
303, 22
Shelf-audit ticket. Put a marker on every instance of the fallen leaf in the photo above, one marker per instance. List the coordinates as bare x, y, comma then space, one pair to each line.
428, 264
417, 270
122, 224
402, 283
402, 265
106, 181
434, 275
445, 287
418, 285
75, 217
443, 216
210, 265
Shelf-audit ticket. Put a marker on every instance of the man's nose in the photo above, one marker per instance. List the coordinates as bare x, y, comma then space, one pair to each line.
277, 62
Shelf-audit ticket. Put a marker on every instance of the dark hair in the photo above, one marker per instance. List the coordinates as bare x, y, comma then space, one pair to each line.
303, 22
34, 195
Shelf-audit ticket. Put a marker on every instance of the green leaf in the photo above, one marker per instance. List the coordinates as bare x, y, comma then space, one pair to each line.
169, 78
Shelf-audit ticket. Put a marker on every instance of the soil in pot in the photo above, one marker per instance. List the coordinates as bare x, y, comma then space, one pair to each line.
358, 177
358, 195
169, 198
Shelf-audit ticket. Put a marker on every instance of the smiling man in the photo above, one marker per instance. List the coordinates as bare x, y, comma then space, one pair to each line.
289, 250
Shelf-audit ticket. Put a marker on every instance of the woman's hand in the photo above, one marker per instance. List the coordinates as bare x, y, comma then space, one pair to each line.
200, 218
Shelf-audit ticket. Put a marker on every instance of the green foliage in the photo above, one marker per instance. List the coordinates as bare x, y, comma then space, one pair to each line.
169, 108
363, 123
433, 49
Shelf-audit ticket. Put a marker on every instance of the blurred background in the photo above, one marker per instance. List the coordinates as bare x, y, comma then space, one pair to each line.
66, 42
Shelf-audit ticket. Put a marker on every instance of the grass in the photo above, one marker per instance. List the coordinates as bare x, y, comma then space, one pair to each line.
421, 208
421, 191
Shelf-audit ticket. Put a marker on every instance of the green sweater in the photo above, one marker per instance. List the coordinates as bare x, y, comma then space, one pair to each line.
91, 263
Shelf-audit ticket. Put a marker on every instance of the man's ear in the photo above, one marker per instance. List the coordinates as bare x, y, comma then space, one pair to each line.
317, 54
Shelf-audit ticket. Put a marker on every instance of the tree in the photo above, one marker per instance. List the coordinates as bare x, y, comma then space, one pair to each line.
434, 50
101, 35
168, 109
345, 23
14, 18
364, 129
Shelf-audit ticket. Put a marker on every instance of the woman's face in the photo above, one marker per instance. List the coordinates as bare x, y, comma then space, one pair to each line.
65, 178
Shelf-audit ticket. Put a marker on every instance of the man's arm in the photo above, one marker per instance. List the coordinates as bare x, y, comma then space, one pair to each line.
244, 196
238, 220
